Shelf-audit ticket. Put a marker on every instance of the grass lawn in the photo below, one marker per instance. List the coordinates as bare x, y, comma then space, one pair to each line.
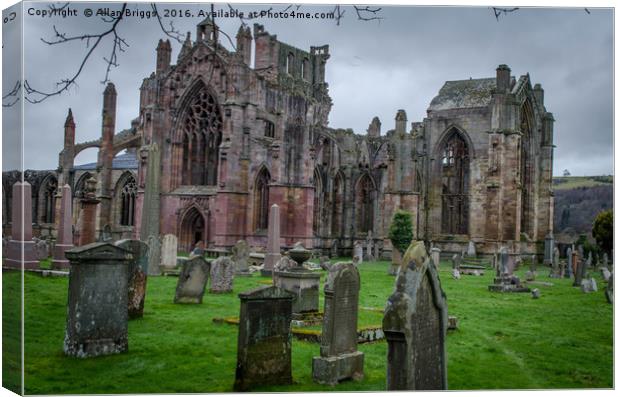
504, 341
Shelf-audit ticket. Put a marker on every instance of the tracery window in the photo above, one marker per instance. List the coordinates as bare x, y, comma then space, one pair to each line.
364, 204
50, 189
261, 200
455, 185
128, 202
202, 136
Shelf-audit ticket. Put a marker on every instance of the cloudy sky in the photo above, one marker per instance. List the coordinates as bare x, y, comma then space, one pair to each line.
376, 68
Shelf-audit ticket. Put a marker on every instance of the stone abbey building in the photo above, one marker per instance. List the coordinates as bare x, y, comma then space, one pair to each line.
218, 140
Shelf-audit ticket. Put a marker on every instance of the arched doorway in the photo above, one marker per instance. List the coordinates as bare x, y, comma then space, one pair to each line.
455, 185
193, 229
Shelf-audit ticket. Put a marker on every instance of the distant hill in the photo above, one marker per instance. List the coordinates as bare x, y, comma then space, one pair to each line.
578, 199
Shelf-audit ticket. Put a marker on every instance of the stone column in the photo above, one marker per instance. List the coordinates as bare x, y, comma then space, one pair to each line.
21, 230
273, 241
88, 214
64, 240
97, 300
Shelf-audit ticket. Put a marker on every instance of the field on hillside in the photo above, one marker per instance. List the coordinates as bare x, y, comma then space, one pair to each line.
574, 182
504, 341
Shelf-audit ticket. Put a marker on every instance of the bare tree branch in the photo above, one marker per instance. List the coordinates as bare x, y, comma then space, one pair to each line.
118, 44
497, 11
171, 32
367, 14
12, 97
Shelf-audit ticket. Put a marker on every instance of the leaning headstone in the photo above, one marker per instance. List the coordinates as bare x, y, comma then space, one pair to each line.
192, 281
97, 300
222, 275
21, 248
471, 249
415, 325
169, 252
240, 256
138, 267
358, 252
339, 358
588, 285
273, 241
436, 255
609, 291
64, 239
154, 255
264, 339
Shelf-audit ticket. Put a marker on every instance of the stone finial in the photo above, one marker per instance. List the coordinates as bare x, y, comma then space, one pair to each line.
401, 121
69, 121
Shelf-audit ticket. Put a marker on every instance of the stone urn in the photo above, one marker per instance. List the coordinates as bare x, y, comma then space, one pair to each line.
299, 254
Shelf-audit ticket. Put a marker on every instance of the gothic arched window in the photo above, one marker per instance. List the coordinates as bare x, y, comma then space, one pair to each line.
127, 196
202, 135
318, 202
290, 60
338, 206
455, 185
364, 204
261, 200
526, 165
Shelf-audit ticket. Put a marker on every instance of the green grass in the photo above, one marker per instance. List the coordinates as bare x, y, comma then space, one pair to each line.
504, 341
574, 182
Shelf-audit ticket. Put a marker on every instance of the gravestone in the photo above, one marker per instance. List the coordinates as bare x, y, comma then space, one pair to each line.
21, 250
358, 252
605, 274
588, 285
105, 234
456, 261
505, 280
169, 252
415, 325
192, 281
535, 293
41, 249
334, 249
222, 275
436, 255
273, 241
533, 263
97, 300
154, 255
240, 256
471, 249
339, 358
138, 268
578, 266
369, 257
609, 291
64, 239
264, 339
549, 244
605, 259
555, 264
87, 217
569, 263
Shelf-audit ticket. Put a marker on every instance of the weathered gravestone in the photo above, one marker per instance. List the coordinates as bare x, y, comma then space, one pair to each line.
505, 280
333, 252
556, 272
64, 240
605, 274
21, 249
549, 244
569, 263
358, 252
138, 269
264, 339
535, 293
578, 265
339, 358
471, 249
273, 241
222, 275
240, 256
533, 263
415, 325
97, 300
192, 281
436, 255
369, 257
41, 249
456, 266
588, 285
169, 252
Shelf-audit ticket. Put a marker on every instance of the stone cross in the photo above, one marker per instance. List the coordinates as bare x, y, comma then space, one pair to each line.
21, 232
192, 281
97, 300
64, 239
415, 325
240, 257
222, 275
273, 241
169, 246
138, 268
264, 338
339, 358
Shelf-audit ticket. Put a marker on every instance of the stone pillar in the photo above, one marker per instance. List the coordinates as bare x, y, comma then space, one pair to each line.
150, 216
264, 339
88, 214
106, 156
21, 230
273, 241
64, 239
339, 358
97, 303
